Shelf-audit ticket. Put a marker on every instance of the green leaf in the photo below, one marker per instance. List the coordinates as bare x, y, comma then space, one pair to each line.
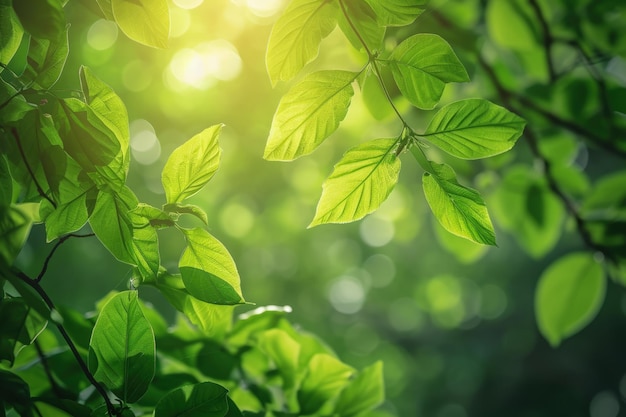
11, 32
110, 109
397, 12
365, 392
187, 209
474, 128
422, 65
326, 377
360, 182
569, 295
46, 59
607, 197
20, 324
156, 217
144, 21
15, 107
296, 36
111, 222
16, 392
204, 399
145, 247
191, 165
6, 183
208, 270
212, 319
122, 350
363, 18
284, 352
86, 138
70, 213
41, 18
460, 210
15, 224
308, 114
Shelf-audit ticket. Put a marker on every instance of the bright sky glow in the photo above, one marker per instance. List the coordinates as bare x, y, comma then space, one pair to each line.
264, 8
205, 64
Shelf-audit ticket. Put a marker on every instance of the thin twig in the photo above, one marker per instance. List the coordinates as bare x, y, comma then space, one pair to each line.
28, 167
83, 366
44, 268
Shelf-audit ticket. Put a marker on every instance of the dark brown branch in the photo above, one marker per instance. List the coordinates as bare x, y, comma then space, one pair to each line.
28, 167
83, 366
44, 268
506, 98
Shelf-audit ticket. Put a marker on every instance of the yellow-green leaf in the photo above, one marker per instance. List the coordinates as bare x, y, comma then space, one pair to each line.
144, 21
296, 36
460, 210
308, 114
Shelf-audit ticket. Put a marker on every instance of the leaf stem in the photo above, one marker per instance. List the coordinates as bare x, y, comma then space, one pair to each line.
34, 284
372, 58
30, 171
44, 268
548, 39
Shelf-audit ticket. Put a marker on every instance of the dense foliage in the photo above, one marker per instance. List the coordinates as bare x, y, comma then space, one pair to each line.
554, 73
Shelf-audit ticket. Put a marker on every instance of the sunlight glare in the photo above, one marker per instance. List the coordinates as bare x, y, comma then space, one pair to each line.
207, 63
145, 146
264, 8
102, 34
188, 4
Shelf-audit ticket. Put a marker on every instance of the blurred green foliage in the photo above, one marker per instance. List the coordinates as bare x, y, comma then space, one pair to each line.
453, 321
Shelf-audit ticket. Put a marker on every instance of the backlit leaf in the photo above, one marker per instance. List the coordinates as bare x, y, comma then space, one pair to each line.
397, 12
112, 225
144, 21
360, 182
70, 213
87, 139
145, 247
15, 224
191, 165
474, 128
422, 65
187, 209
46, 59
11, 32
284, 352
363, 393
363, 18
296, 36
204, 399
110, 110
208, 270
122, 349
460, 210
325, 378
569, 295
308, 114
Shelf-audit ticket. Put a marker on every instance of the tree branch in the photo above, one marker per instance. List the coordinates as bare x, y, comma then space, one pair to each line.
34, 284
44, 268
529, 134
30, 171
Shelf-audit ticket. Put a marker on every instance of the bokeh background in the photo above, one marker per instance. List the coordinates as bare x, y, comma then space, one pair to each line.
452, 321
